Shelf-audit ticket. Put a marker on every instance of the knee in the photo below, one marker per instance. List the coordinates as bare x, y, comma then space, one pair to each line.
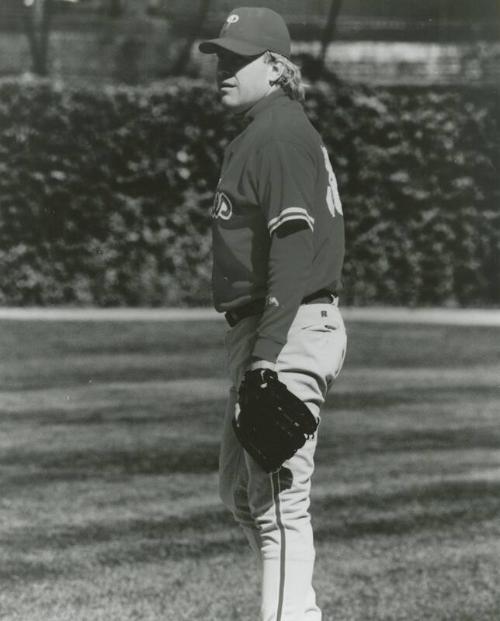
234, 496
288, 519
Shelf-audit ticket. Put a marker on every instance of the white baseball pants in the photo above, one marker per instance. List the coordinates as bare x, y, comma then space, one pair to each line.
273, 509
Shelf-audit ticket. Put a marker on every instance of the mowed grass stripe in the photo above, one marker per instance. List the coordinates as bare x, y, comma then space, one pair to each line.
80, 369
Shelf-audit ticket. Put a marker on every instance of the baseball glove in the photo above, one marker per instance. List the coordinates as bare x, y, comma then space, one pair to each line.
272, 423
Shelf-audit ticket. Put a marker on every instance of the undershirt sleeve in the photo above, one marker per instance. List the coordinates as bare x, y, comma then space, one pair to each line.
290, 260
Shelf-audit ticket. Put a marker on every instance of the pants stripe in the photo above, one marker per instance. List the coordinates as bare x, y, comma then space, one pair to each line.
282, 545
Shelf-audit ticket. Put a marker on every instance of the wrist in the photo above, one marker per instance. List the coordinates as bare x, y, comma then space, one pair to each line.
258, 363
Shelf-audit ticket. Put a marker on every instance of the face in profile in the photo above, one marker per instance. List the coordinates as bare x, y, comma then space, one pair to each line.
243, 80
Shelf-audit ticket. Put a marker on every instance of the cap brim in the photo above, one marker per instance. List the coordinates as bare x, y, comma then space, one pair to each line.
233, 45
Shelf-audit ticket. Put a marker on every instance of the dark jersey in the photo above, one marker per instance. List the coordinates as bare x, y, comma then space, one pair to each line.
276, 171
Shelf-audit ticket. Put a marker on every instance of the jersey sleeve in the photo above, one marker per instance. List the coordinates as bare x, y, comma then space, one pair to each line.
290, 261
286, 177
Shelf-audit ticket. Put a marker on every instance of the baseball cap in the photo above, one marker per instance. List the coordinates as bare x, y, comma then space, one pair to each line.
250, 31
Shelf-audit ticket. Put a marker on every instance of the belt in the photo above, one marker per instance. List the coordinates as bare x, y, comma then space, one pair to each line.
256, 307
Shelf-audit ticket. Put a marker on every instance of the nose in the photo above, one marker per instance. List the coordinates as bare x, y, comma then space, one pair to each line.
223, 77
224, 67
224, 71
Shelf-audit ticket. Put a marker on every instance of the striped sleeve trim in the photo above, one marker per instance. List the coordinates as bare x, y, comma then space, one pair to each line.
290, 213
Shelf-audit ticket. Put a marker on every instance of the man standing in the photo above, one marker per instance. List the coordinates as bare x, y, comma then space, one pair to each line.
278, 243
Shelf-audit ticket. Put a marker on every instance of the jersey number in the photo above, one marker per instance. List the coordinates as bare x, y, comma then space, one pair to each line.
332, 192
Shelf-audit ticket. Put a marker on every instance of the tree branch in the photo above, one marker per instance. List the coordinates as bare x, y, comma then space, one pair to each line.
37, 18
185, 53
329, 30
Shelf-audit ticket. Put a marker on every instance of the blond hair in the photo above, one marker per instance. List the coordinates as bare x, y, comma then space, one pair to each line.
291, 78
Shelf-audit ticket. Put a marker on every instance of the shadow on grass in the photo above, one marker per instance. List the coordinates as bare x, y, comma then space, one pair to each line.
36, 468
402, 345
433, 508
172, 530
342, 445
140, 406
83, 338
386, 398
28, 571
126, 414
165, 455
76, 373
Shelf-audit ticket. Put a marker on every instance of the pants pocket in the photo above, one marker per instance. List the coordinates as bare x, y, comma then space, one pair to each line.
333, 350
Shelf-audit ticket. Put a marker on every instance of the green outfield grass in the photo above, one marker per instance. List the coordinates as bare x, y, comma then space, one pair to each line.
108, 453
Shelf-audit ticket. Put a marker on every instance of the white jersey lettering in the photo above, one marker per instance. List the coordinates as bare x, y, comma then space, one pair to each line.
332, 192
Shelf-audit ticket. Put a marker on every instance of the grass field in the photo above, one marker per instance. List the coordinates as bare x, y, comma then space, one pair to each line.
108, 453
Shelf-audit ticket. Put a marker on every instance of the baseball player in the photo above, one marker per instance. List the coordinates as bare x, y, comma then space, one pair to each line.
278, 245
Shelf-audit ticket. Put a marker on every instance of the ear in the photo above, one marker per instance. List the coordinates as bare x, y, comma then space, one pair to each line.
275, 72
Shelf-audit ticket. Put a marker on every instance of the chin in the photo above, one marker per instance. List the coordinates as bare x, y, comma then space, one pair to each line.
229, 102
234, 106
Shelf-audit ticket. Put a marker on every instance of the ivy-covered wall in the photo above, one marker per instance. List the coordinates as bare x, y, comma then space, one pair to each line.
105, 197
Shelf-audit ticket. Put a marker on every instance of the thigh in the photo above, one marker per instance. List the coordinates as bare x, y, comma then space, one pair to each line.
314, 353
232, 467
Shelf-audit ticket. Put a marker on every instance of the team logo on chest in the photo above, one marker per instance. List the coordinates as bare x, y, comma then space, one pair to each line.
222, 207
